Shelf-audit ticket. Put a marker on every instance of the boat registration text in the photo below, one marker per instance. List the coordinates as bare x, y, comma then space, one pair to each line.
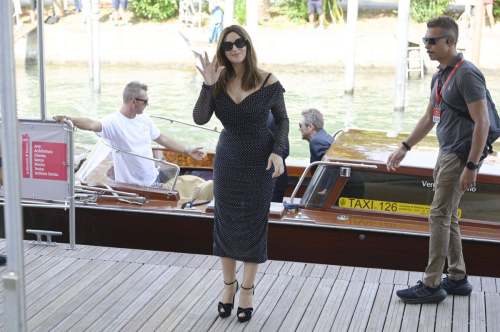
368, 204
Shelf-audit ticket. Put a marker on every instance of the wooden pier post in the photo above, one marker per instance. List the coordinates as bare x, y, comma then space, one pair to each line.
228, 13
41, 59
87, 12
402, 54
95, 46
253, 21
478, 26
350, 63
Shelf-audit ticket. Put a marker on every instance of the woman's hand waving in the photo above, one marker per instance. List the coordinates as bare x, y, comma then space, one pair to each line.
209, 73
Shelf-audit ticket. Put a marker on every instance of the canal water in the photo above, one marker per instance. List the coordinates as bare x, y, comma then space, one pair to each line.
173, 94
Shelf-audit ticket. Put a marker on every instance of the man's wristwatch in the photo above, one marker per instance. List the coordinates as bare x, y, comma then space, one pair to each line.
470, 165
408, 148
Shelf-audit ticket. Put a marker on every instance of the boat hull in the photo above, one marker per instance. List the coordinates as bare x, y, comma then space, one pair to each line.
288, 241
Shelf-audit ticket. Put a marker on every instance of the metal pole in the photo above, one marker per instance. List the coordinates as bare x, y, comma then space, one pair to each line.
41, 60
199, 14
88, 21
478, 26
95, 46
14, 288
253, 21
228, 13
71, 179
402, 54
350, 63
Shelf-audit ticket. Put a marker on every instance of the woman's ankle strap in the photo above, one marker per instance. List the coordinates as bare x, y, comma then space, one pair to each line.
248, 288
230, 283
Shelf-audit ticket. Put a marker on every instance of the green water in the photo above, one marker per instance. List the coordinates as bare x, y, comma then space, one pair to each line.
173, 94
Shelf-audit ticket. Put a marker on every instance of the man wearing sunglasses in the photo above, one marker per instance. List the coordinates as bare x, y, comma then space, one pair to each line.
311, 128
458, 86
132, 130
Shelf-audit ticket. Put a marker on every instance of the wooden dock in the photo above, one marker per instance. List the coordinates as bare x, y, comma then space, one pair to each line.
24, 30
112, 289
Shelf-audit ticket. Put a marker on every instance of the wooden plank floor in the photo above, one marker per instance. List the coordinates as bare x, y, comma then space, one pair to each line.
112, 289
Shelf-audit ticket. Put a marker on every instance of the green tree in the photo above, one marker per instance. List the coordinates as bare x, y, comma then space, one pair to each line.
156, 10
240, 11
424, 10
496, 9
296, 10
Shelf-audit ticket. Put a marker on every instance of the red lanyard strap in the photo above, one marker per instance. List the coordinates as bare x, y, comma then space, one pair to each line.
438, 95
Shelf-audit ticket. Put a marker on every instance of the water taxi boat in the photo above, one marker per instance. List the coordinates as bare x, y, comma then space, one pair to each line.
352, 212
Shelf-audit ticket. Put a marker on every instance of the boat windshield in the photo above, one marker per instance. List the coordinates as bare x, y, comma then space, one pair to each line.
320, 186
98, 167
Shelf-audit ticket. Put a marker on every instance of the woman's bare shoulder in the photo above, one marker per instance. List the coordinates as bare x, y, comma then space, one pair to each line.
272, 79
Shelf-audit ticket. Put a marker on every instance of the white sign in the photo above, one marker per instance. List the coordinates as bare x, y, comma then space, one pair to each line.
44, 161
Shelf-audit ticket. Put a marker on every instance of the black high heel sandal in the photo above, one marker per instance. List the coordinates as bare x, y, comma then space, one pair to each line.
228, 307
247, 311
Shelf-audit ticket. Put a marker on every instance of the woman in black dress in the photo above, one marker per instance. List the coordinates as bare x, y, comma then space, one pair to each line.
247, 161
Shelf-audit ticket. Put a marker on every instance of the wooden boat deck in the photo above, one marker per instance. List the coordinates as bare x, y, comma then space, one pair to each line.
112, 289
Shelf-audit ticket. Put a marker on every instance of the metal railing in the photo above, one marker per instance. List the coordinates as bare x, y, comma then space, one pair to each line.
327, 163
71, 182
185, 123
14, 293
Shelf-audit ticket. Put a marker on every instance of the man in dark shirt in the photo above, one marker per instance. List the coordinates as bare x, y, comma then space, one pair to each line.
311, 128
459, 85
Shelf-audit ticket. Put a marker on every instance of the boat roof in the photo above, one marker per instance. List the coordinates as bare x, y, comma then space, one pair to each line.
376, 146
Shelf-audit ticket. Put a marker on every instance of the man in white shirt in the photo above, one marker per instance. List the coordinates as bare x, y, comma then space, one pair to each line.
132, 130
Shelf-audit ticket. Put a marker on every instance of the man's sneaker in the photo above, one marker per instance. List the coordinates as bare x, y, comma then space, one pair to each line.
3, 259
456, 287
420, 293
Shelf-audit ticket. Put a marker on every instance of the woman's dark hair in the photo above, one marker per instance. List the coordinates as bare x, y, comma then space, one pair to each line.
251, 78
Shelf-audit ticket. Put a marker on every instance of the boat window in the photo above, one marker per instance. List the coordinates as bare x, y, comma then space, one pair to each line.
395, 193
481, 203
320, 186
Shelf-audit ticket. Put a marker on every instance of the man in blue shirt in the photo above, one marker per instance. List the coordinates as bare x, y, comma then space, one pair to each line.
311, 128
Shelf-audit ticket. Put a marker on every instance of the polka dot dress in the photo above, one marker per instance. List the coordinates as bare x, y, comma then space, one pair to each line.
243, 188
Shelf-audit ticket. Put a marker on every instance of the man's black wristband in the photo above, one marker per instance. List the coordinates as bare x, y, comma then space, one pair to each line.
406, 145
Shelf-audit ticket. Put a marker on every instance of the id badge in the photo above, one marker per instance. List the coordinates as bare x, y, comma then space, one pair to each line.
436, 116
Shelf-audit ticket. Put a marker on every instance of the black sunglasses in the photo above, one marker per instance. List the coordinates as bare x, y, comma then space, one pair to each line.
228, 46
433, 41
146, 101
305, 124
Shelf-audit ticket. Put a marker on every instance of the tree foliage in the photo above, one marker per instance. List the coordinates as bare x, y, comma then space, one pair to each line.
155, 10
496, 9
296, 10
240, 11
424, 10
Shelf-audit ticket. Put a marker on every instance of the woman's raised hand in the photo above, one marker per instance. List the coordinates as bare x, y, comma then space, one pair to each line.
209, 73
